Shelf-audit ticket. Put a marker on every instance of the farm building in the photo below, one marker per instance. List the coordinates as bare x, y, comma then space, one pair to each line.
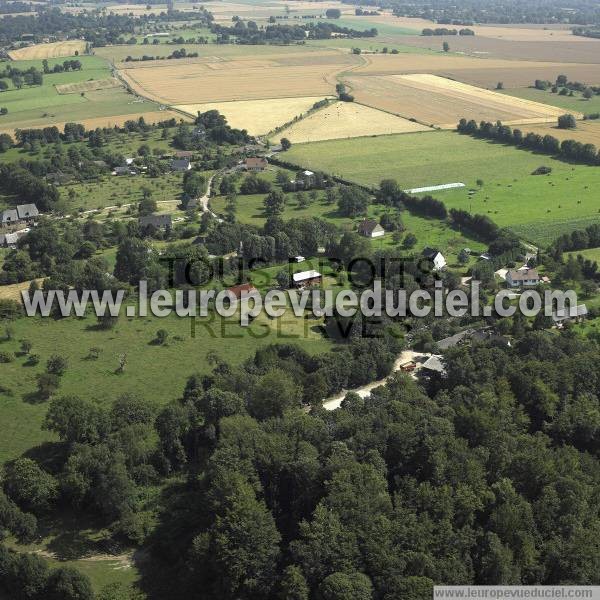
156, 221
436, 257
255, 164
562, 316
522, 277
9, 240
434, 364
124, 171
23, 212
27, 212
180, 165
9, 216
307, 278
305, 179
370, 228
244, 288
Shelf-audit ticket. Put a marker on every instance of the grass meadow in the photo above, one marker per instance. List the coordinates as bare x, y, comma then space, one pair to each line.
42, 105
535, 206
160, 371
576, 103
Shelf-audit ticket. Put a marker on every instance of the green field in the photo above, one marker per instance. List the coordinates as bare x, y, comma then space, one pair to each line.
160, 371
429, 232
577, 103
511, 196
39, 106
362, 24
590, 253
370, 45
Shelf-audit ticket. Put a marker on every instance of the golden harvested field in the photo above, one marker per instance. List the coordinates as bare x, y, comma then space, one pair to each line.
245, 78
347, 120
442, 102
483, 72
516, 32
256, 116
92, 123
587, 132
87, 86
53, 50
13, 291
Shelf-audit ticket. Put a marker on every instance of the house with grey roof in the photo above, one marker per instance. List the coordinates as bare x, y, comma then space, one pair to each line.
9, 240
27, 212
566, 315
522, 277
181, 165
156, 221
9, 216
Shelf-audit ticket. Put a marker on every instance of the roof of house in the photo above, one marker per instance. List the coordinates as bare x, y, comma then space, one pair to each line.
238, 290
523, 274
564, 314
9, 239
455, 339
155, 221
184, 154
122, 170
434, 363
256, 161
9, 215
367, 226
27, 210
431, 252
304, 275
180, 163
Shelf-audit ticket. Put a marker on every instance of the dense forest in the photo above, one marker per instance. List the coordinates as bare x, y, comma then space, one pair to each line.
93, 26
488, 475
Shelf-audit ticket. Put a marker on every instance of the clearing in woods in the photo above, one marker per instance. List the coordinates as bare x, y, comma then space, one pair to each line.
442, 102
53, 50
256, 116
347, 120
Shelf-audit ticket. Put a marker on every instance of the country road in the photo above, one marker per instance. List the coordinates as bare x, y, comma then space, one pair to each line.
364, 391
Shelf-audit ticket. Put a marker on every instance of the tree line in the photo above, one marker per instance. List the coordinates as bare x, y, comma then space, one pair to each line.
568, 149
445, 31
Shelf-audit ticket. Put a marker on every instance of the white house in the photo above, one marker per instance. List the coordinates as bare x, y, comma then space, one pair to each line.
370, 228
436, 257
522, 278
306, 278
